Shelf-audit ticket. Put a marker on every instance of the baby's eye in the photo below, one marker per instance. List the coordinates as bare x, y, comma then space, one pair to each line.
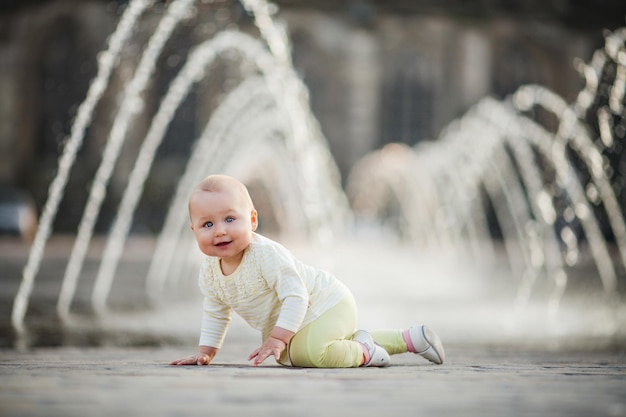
230, 219
208, 224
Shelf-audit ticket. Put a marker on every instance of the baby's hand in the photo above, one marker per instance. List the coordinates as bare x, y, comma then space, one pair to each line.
197, 359
271, 347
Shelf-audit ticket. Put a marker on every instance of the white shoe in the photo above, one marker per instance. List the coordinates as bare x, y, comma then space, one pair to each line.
378, 356
423, 341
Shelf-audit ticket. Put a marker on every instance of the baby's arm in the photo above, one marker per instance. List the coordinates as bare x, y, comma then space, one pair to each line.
273, 346
204, 357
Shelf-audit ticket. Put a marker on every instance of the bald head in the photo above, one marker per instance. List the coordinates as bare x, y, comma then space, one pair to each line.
224, 184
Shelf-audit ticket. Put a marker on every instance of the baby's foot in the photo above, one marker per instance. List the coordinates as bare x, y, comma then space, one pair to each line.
423, 341
375, 355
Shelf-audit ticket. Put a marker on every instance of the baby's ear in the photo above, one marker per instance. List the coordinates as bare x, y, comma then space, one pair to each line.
254, 219
191, 226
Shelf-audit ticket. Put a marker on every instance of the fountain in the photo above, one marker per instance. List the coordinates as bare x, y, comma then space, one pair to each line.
534, 162
509, 168
273, 103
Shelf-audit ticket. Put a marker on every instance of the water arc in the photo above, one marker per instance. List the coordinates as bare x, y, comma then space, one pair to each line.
519, 200
128, 110
107, 60
199, 60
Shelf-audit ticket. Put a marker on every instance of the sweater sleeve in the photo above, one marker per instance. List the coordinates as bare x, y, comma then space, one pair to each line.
215, 321
282, 275
216, 315
292, 313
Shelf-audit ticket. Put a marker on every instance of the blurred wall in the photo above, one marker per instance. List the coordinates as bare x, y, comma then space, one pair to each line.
383, 76
375, 74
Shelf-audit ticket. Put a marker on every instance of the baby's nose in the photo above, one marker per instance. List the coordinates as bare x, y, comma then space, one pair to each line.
220, 229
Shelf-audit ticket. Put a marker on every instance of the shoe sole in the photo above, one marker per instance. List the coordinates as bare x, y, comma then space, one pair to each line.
435, 352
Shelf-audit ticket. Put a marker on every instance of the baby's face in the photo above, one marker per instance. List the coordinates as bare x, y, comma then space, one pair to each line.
223, 222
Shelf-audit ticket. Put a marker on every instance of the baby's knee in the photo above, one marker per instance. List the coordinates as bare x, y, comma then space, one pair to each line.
338, 354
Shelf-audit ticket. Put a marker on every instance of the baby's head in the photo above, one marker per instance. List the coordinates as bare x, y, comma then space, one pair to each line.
225, 184
222, 215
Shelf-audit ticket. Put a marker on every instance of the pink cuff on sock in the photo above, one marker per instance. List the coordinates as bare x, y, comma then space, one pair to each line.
407, 339
366, 353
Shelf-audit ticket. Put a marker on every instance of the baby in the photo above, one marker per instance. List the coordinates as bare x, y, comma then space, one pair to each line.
306, 316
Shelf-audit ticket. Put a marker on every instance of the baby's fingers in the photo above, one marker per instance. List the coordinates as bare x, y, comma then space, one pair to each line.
180, 362
261, 357
200, 360
254, 354
266, 353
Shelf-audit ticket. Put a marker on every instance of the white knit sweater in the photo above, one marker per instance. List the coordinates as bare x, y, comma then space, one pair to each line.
269, 288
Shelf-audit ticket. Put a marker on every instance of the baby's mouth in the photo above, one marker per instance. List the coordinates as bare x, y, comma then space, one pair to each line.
221, 244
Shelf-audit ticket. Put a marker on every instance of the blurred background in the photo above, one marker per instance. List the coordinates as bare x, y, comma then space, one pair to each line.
374, 73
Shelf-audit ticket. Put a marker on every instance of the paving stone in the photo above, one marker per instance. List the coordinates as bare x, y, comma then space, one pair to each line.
476, 381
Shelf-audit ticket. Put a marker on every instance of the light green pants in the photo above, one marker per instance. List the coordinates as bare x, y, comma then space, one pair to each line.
327, 342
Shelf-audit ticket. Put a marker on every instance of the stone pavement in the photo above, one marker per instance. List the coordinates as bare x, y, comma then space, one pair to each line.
476, 381
502, 360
